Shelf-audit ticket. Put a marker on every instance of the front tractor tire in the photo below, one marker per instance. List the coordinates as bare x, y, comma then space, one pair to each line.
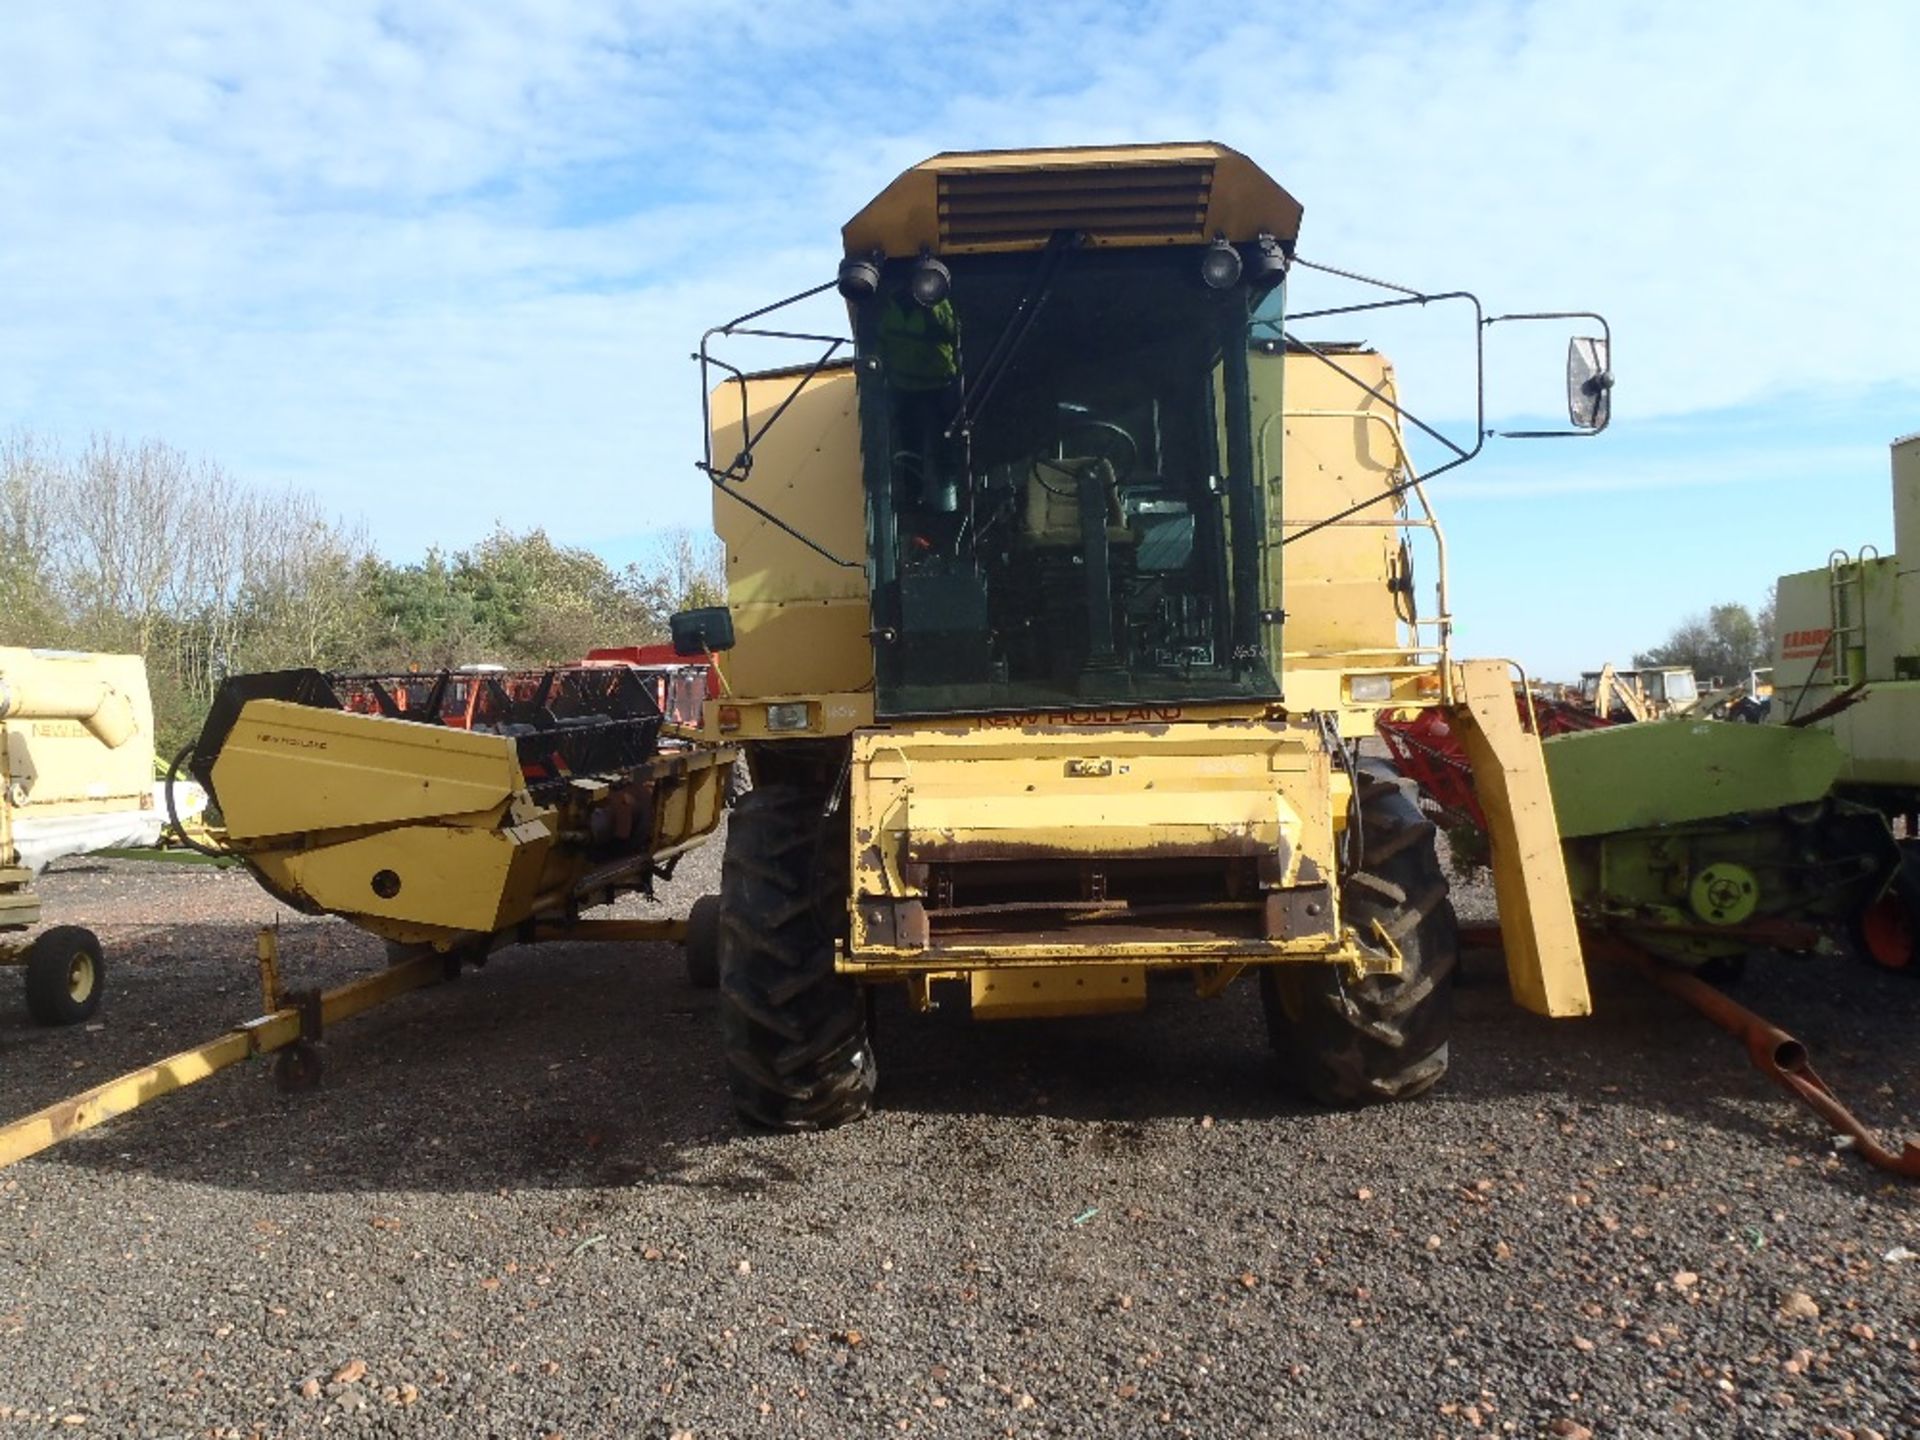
794, 1030
1347, 1042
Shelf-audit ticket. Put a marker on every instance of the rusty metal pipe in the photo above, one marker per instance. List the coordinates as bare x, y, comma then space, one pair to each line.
1775, 1054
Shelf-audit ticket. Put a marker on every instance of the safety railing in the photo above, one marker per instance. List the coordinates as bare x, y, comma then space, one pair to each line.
1416, 627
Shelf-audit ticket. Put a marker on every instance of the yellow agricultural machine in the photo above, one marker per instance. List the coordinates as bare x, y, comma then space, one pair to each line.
451, 811
76, 774
1650, 693
448, 814
1059, 600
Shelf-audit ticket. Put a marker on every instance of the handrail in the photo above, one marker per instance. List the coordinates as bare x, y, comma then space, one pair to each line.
1428, 520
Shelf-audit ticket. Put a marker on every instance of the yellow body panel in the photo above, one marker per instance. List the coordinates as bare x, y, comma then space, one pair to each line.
286, 769
1222, 790
1033, 994
800, 621
450, 878
1544, 966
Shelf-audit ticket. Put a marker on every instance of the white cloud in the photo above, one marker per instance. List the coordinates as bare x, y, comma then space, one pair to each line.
443, 263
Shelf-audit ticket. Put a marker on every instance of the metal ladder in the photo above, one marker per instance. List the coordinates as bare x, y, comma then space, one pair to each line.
1846, 614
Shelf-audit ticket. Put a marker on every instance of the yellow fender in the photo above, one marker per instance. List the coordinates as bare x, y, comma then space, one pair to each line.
1545, 968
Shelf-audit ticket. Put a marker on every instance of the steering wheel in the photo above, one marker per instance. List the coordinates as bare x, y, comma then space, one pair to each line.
1108, 442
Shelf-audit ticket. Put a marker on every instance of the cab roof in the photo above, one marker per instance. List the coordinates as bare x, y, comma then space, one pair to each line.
983, 201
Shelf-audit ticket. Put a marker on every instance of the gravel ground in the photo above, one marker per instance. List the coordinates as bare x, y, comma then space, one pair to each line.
519, 1207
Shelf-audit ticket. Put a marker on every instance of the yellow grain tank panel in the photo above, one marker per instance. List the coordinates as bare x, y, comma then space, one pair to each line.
1323, 443
800, 621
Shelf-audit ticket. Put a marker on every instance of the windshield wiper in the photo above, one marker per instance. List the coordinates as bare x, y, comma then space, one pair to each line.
1013, 335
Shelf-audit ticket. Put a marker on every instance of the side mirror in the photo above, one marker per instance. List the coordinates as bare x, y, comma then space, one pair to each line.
707, 630
1589, 384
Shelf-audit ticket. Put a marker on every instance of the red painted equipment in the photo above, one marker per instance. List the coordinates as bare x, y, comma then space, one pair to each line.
654, 656
1425, 748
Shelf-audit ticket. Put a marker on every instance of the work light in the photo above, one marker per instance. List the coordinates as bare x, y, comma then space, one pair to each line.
1266, 263
859, 277
1220, 266
930, 281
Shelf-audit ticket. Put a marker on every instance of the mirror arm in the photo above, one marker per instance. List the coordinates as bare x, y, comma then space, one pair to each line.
1605, 378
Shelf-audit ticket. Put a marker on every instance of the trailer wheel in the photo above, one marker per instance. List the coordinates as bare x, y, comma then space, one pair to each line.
1887, 932
795, 1033
1384, 1037
66, 973
702, 944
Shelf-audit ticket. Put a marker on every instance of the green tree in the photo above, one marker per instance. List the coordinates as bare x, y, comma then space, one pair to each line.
30, 610
1721, 645
137, 546
546, 602
426, 614
682, 571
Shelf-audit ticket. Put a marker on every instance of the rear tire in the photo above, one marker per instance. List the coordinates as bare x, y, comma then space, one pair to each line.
798, 1053
1384, 1037
66, 974
703, 943
739, 782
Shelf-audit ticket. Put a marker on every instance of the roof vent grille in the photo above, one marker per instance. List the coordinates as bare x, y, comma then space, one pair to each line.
1012, 207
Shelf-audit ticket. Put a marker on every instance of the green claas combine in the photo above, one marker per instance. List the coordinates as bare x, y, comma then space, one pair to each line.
1700, 840
1847, 666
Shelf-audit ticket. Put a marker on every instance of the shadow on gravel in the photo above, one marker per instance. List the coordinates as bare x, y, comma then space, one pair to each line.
597, 1066
1644, 1060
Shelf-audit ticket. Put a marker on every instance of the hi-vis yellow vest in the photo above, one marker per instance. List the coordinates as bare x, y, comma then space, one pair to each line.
919, 347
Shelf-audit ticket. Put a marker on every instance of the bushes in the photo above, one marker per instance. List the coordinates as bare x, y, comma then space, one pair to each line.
137, 547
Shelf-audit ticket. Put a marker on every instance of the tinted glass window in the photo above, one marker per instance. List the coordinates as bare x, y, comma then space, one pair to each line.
1054, 511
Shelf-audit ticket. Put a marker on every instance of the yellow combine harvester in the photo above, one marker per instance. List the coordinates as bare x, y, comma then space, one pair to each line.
76, 774
1058, 608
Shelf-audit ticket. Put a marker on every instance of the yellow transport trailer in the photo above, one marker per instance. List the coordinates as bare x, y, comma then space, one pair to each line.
446, 829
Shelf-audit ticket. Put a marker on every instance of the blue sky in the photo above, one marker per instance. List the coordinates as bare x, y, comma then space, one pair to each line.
442, 264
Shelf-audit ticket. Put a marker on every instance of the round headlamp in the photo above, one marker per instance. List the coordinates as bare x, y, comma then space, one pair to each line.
929, 282
859, 277
1220, 266
1266, 263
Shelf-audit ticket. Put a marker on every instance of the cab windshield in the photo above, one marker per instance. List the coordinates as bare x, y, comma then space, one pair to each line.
1061, 505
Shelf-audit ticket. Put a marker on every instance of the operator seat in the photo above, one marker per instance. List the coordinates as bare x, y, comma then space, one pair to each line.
1054, 488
